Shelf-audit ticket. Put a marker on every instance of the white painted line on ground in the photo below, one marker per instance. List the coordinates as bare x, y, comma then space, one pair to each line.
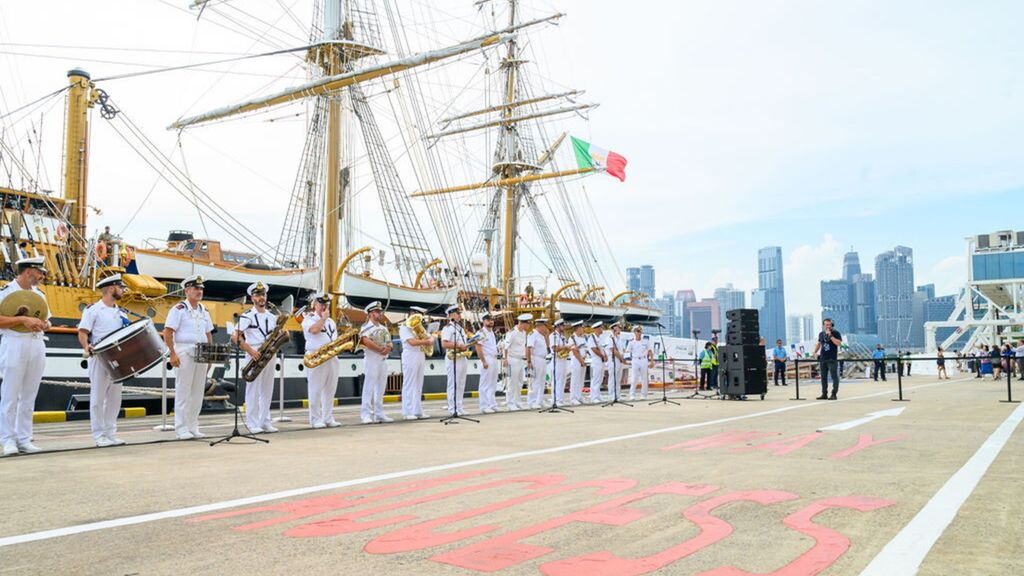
905, 552
870, 417
215, 506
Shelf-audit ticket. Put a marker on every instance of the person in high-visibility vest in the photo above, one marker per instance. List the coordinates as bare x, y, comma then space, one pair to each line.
714, 362
708, 358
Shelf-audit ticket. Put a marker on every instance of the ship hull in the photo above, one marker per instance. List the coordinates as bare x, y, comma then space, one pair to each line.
226, 282
362, 290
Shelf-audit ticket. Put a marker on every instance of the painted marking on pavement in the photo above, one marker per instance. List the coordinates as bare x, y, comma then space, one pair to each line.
905, 552
869, 418
215, 506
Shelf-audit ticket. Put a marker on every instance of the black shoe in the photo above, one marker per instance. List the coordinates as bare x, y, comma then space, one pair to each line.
822, 397
784, 384
833, 396
776, 383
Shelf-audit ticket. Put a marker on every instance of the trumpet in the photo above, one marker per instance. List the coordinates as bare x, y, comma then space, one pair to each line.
415, 323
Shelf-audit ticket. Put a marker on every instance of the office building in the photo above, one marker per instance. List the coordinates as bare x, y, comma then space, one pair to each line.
769, 297
894, 295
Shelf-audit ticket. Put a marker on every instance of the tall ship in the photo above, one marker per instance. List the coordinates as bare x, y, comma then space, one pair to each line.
430, 173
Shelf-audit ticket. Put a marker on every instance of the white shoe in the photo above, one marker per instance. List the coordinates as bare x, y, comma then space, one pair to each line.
632, 398
366, 420
103, 442
412, 417
256, 430
575, 402
116, 441
489, 410
270, 429
643, 397
319, 425
10, 449
185, 436
513, 408
424, 416
198, 434
28, 448
385, 419
333, 424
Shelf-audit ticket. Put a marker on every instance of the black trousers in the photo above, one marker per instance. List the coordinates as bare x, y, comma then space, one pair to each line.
879, 370
714, 377
780, 371
705, 378
829, 367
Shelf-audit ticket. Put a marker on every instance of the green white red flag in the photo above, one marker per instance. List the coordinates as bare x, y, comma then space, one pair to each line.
597, 158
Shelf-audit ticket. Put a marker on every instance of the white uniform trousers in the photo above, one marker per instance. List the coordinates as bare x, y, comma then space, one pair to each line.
22, 359
412, 385
514, 385
488, 383
576, 377
615, 370
535, 392
559, 376
638, 375
104, 401
597, 374
375, 376
455, 371
322, 383
258, 395
189, 386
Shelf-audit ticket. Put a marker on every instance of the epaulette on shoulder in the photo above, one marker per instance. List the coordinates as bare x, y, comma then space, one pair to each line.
180, 306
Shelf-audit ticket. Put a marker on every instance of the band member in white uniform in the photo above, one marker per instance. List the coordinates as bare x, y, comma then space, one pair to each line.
619, 343
453, 341
188, 323
100, 320
578, 363
536, 362
515, 359
487, 350
254, 326
22, 360
375, 364
597, 342
616, 362
413, 362
560, 342
641, 358
319, 329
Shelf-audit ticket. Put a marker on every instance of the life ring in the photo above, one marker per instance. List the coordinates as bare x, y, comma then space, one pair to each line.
127, 254
62, 231
101, 250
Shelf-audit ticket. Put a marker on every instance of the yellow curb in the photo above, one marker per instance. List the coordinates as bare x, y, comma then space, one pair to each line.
435, 396
38, 417
392, 398
305, 402
135, 412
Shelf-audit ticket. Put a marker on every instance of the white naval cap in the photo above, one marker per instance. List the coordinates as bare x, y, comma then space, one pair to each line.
524, 317
193, 280
110, 281
37, 262
323, 297
541, 320
257, 287
375, 305
558, 322
577, 324
598, 324
638, 328
453, 309
418, 309
486, 316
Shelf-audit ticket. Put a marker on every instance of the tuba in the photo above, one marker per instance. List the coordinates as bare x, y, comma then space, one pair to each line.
268, 349
415, 323
345, 341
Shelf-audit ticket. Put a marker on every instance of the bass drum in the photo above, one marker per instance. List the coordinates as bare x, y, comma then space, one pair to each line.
131, 350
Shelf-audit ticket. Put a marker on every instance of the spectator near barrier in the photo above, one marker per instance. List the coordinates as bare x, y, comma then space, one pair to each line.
878, 356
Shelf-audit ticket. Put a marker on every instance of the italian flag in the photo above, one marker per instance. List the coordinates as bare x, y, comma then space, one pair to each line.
590, 156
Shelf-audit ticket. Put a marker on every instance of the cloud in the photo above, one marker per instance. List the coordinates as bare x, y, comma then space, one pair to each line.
805, 268
948, 275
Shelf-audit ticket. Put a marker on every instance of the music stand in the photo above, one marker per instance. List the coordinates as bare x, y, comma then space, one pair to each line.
455, 417
235, 433
554, 382
614, 376
664, 383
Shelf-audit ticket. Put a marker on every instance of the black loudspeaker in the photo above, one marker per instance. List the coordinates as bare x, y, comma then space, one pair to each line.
742, 338
742, 357
736, 382
743, 326
742, 314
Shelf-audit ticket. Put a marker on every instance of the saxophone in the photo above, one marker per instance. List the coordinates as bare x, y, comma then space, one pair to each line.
268, 349
453, 355
563, 354
345, 341
415, 323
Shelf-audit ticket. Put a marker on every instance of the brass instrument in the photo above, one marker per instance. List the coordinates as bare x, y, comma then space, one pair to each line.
24, 303
345, 341
415, 323
379, 335
268, 349
453, 355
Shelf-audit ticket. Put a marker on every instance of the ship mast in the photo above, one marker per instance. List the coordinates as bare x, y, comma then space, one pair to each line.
331, 56
509, 168
76, 158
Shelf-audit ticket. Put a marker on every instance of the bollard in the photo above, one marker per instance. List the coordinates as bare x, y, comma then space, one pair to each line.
163, 427
796, 363
899, 380
1009, 389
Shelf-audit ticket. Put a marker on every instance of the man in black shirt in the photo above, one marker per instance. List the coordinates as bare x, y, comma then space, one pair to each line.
829, 341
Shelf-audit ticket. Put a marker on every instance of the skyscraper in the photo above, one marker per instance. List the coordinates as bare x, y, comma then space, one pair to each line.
769, 298
641, 280
799, 328
864, 319
837, 303
851, 265
682, 302
729, 299
919, 308
894, 294
704, 317
667, 305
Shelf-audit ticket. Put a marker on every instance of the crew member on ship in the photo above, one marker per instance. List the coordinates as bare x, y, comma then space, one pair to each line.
188, 323
319, 329
454, 343
100, 320
578, 363
376, 343
254, 326
597, 342
487, 350
413, 361
641, 358
536, 362
515, 359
